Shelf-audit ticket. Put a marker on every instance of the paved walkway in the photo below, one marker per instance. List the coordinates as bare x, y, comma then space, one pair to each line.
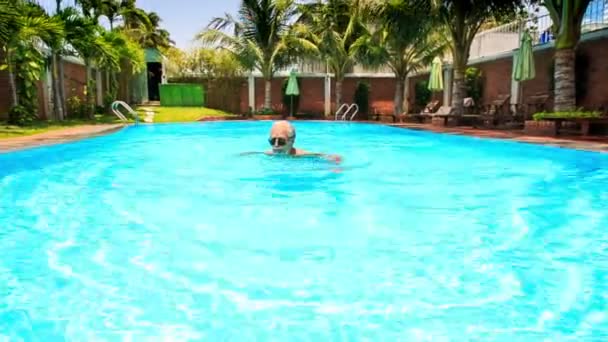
599, 144
56, 136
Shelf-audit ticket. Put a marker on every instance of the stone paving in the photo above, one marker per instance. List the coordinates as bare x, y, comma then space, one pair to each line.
56, 136
599, 144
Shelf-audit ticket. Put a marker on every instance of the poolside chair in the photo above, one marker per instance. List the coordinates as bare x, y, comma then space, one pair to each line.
430, 108
497, 112
538, 102
442, 116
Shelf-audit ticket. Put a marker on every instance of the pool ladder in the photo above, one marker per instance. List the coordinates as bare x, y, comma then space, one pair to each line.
345, 109
116, 110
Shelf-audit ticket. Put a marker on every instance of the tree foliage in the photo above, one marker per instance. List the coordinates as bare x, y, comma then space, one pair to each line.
261, 38
462, 19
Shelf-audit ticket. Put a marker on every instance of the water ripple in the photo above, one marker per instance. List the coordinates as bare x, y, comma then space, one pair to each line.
416, 237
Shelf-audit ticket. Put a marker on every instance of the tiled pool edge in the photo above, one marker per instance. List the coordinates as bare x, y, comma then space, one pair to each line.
90, 131
563, 142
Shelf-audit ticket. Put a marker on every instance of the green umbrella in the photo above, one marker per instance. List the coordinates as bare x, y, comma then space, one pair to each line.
523, 60
292, 88
436, 77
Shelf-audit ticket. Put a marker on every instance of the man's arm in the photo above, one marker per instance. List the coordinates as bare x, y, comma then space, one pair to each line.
331, 157
254, 152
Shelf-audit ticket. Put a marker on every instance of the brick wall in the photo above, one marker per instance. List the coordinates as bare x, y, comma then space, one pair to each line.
74, 80
382, 91
597, 73
74, 86
496, 77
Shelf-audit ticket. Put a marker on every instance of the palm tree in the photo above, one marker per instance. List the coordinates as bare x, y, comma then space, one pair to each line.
463, 19
91, 9
8, 20
336, 27
262, 38
405, 39
86, 36
152, 36
567, 17
27, 34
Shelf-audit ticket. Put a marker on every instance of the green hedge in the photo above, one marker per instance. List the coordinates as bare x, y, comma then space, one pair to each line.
567, 115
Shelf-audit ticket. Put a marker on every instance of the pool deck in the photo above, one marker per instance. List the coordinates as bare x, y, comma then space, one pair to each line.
56, 136
597, 144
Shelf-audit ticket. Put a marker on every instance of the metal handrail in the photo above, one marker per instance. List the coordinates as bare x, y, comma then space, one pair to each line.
339, 111
356, 106
121, 116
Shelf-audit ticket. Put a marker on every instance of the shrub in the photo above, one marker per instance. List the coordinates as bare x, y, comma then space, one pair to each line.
265, 111
20, 115
474, 84
422, 93
361, 98
76, 107
579, 114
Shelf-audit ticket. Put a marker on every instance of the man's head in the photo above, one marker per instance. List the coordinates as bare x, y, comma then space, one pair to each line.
282, 137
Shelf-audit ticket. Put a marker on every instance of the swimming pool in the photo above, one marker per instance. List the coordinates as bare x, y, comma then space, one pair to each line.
165, 231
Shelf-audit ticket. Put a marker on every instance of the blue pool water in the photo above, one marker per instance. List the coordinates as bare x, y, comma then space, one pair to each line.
165, 232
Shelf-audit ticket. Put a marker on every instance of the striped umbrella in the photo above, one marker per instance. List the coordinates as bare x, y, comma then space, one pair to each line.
436, 77
523, 60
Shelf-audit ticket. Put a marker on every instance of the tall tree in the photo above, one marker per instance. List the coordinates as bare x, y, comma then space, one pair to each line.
24, 57
261, 38
567, 17
92, 9
336, 27
153, 36
86, 37
463, 19
405, 39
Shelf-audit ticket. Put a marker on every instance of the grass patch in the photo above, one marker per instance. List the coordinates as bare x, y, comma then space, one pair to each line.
9, 131
181, 114
567, 115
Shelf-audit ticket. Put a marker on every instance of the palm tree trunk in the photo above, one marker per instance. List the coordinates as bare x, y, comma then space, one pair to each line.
62, 86
89, 92
398, 102
565, 87
268, 94
57, 99
459, 88
406, 89
338, 93
11, 79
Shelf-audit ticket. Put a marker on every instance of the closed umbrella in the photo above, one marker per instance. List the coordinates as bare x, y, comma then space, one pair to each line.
292, 88
436, 77
523, 60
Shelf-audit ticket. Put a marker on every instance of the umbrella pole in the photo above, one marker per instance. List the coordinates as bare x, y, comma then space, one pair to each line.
291, 105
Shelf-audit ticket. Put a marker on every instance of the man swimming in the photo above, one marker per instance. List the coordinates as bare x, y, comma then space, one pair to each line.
282, 138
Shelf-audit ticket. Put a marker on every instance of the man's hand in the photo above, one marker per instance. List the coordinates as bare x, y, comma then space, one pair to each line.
333, 157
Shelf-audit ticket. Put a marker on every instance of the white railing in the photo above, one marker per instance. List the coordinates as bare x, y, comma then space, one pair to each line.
345, 109
340, 111
116, 110
355, 111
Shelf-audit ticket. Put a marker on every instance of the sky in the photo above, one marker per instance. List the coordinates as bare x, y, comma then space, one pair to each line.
185, 18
